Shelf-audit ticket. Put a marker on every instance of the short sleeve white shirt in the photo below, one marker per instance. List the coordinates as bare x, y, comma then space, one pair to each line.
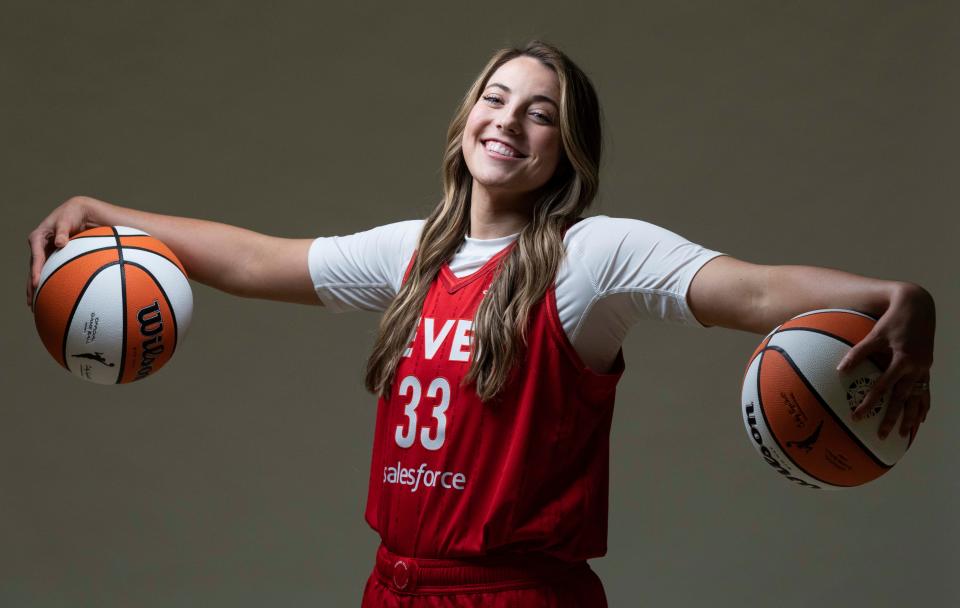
617, 272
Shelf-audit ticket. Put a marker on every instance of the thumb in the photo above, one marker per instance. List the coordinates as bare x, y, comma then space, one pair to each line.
858, 353
61, 234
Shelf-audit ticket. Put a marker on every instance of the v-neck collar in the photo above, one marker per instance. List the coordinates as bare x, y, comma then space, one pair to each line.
455, 283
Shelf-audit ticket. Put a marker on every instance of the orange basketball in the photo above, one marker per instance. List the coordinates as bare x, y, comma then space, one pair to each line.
797, 408
112, 305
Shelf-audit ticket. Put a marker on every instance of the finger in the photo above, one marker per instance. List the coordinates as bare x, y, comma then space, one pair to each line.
889, 419
913, 435
61, 234
858, 353
878, 391
874, 394
911, 416
898, 399
924, 400
38, 255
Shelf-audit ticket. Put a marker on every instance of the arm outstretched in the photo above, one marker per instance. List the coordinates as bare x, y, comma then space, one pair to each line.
739, 295
235, 260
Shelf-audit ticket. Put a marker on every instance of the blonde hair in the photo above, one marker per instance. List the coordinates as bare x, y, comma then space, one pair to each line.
525, 274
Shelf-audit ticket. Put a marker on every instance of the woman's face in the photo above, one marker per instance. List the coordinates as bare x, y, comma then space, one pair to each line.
511, 142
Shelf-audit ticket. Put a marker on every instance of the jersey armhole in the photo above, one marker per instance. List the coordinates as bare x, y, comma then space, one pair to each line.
560, 335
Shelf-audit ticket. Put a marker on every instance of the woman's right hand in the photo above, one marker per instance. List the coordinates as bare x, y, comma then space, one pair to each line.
54, 232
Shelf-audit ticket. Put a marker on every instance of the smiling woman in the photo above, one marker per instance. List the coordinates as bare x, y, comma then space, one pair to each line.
537, 103
499, 350
511, 142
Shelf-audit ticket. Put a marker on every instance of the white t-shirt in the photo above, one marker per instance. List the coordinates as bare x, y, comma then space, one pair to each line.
617, 271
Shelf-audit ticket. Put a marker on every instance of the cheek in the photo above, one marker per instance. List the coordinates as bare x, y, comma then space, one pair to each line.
474, 122
552, 152
468, 139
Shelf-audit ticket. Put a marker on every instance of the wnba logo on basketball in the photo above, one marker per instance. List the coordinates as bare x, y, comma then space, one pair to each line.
856, 392
151, 324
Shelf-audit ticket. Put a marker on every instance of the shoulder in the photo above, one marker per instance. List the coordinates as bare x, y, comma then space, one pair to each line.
385, 242
606, 231
404, 230
362, 270
407, 234
627, 254
407, 226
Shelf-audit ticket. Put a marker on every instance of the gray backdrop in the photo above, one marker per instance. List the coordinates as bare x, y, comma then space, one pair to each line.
818, 133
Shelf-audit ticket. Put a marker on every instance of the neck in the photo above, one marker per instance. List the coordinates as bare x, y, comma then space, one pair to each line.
495, 214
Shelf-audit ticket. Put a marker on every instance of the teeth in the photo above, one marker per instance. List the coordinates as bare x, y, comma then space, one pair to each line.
499, 148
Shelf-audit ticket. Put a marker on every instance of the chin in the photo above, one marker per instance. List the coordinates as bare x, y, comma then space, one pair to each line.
497, 182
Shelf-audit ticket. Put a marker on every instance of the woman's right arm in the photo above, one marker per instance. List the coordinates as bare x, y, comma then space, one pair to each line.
235, 260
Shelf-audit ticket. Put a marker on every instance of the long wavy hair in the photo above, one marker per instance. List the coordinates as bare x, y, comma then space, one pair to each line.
525, 274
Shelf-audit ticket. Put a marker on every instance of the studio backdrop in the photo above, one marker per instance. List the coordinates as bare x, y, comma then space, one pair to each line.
815, 133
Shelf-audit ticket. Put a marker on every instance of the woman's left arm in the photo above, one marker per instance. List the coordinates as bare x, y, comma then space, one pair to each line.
751, 297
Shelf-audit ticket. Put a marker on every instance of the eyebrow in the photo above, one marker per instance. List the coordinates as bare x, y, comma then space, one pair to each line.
535, 97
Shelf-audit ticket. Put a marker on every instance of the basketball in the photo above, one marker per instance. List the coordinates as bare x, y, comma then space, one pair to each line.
797, 408
112, 305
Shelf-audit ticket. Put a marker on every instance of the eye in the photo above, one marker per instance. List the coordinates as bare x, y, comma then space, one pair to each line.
492, 98
541, 116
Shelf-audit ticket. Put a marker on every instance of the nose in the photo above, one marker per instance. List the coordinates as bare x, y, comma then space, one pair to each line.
508, 121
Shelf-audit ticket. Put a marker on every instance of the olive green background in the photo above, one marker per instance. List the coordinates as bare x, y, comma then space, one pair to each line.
820, 133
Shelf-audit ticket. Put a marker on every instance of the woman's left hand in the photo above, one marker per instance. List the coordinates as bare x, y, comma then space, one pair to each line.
904, 336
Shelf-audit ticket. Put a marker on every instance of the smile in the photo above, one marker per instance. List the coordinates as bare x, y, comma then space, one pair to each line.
500, 150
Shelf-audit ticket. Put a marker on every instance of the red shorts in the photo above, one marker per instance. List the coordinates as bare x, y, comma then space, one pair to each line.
502, 582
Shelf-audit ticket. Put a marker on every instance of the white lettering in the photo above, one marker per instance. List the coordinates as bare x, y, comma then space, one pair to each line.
413, 337
435, 443
400, 475
443, 480
460, 349
460, 344
432, 341
419, 475
404, 438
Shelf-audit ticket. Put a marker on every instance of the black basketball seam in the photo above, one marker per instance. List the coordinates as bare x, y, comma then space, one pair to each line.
826, 407
107, 236
870, 358
119, 246
176, 328
829, 310
156, 253
123, 304
817, 331
36, 296
776, 439
73, 311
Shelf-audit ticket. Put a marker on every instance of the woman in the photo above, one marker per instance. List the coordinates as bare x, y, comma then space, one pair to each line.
498, 354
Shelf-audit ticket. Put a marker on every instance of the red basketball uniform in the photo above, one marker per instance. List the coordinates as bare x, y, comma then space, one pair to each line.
455, 481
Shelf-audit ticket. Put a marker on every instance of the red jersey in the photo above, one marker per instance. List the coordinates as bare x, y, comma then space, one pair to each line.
454, 477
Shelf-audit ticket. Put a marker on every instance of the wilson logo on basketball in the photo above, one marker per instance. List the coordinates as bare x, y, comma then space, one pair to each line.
151, 326
765, 451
